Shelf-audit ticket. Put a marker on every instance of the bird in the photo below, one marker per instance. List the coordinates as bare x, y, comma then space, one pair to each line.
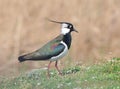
53, 50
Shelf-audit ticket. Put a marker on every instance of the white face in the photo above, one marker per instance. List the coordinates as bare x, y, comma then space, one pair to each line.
64, 29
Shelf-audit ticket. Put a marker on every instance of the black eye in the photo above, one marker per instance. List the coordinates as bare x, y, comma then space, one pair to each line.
68, 26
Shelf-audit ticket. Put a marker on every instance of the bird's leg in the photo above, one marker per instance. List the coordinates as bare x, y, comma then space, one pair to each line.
57, 68
48, 68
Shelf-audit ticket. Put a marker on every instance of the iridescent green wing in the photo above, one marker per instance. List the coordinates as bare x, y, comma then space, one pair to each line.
52, 48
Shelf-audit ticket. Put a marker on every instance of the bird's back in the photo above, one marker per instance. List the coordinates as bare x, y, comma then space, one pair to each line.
45, 52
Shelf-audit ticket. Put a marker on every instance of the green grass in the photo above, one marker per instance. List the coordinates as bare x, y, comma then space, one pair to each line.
100, 76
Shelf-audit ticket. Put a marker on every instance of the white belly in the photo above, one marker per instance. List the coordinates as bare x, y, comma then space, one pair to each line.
61, 55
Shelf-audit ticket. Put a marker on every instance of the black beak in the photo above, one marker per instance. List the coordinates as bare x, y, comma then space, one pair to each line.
75, 30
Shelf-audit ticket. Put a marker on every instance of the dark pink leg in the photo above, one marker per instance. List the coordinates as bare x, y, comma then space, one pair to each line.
57, 68
48, 68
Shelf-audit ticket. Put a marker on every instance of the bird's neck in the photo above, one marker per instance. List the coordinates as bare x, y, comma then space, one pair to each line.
67, 39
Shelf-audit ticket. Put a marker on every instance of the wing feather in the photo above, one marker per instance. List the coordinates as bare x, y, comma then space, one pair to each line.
49, 50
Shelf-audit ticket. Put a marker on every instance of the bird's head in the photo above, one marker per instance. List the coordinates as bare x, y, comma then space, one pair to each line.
66, 27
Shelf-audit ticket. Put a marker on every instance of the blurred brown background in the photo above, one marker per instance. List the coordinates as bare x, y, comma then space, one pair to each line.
23, 28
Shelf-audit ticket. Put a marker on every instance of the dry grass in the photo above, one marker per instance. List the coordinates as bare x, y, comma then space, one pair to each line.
23, 28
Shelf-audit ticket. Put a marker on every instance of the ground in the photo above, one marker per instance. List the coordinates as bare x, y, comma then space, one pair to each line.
98, 76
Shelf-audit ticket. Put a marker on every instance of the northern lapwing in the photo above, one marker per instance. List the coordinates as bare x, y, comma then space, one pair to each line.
54, 49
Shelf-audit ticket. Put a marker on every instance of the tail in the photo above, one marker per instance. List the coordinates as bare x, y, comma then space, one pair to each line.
21, 58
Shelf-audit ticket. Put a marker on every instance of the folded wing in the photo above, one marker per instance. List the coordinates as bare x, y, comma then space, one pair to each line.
52, 48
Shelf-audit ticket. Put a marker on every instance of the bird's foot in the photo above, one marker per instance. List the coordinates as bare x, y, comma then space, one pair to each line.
48, 75
60, 73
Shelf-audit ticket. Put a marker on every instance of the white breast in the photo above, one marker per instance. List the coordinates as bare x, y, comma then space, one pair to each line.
61, 55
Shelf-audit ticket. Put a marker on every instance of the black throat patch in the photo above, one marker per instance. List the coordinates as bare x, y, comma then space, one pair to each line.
67, 39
